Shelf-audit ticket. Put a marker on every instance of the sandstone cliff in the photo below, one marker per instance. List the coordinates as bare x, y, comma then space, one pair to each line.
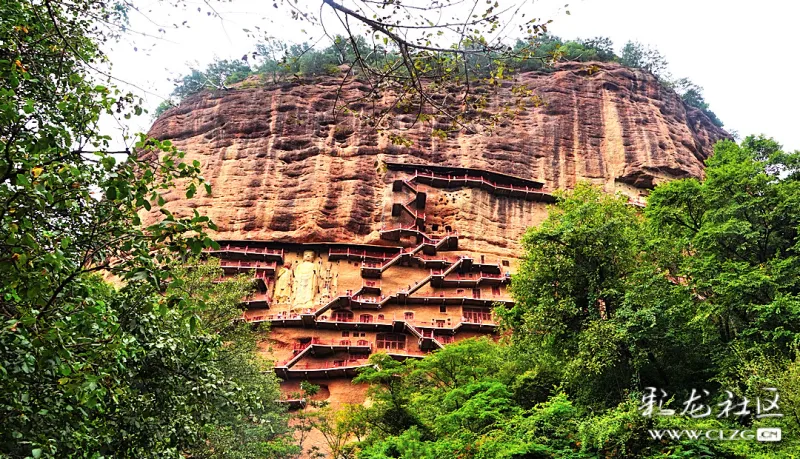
283, 169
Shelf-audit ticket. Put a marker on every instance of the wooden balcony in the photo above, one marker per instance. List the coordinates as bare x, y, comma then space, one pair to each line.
320, 371
241, 266
529, 191
454, 298
260, 278
257, 301
281, 319
472, 280
353, 323
360, 253
246, 251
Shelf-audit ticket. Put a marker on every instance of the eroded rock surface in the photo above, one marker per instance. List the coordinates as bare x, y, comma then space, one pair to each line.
284, 169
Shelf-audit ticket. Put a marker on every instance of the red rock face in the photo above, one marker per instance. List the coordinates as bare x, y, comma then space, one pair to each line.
284, 169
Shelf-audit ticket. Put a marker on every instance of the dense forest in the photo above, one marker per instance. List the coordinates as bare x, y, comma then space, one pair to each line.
118, 340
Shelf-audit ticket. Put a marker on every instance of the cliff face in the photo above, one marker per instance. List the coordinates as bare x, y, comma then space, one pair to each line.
283, 169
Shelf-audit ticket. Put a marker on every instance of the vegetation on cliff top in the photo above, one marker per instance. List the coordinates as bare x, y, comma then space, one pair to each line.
275, 61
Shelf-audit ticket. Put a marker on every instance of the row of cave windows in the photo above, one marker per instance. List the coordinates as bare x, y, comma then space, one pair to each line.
344, 316
470, 313
387, 340
470, 275
358, 263
476, 292
383, 340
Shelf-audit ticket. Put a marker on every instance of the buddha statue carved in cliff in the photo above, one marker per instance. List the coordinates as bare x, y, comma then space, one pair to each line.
283, 285
306, 283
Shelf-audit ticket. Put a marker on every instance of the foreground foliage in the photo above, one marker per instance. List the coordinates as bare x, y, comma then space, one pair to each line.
700, 291
143, 361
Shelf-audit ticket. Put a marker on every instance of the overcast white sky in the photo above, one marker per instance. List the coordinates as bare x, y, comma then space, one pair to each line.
740, 52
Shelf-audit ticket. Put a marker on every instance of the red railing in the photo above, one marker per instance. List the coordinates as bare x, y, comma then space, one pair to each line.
413, 227
361, 253
474, 178
258, 297
478, 276
368, 299
415, 214
395, 226
247, 265
347, 319
404, 351
463, 295
271, 317
298, 348
438, 257
330, 364
340, 342
246, 249
478, 320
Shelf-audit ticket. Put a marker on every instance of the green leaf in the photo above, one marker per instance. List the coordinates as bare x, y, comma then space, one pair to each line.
22, 180
108, 162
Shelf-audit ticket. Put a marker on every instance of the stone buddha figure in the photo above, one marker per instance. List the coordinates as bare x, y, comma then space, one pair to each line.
283, 285
306, 285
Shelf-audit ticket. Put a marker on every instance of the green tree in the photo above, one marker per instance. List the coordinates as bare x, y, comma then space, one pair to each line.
392, 414
692, 96
163, 107
246, 420
602, 46
637, 55
217, 76
87, 368
592, 295
740, 227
